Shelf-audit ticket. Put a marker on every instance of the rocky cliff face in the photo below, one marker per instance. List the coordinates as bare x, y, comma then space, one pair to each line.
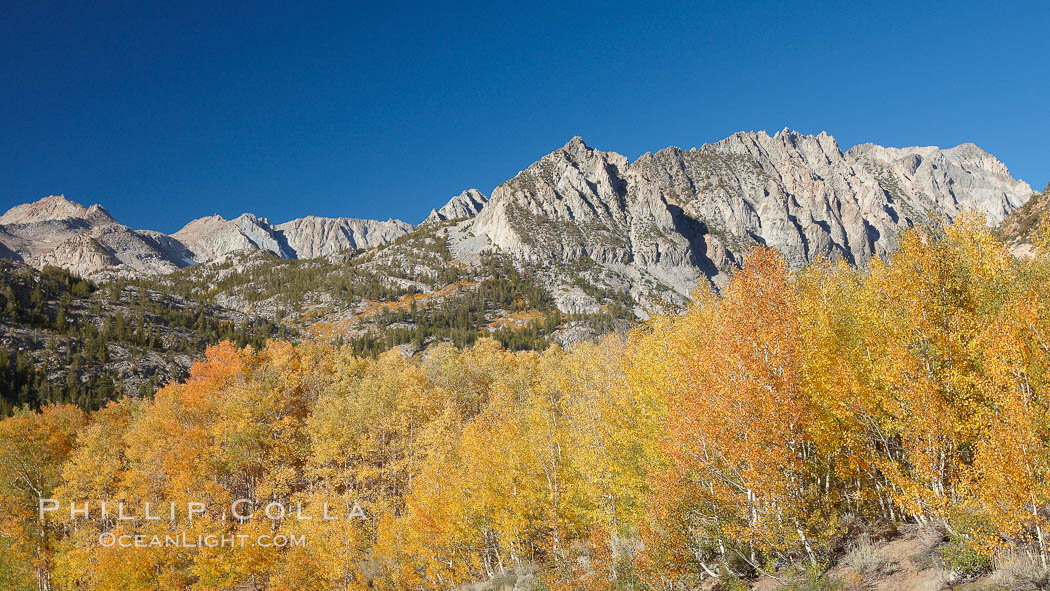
465, 205
581, 204
54, 207
212, 237
659, 224
312, 237
948, 181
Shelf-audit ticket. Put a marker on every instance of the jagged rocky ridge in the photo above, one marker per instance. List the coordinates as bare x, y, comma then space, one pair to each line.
662, 223
593, 226
304, 238
88, 241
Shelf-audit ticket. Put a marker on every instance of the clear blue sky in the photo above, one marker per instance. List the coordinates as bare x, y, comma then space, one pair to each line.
386, 109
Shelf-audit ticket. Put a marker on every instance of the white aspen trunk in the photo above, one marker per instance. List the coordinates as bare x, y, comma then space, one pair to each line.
805, 544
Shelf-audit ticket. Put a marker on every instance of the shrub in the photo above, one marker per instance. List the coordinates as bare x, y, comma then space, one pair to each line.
813, 579
866, 560
960, 557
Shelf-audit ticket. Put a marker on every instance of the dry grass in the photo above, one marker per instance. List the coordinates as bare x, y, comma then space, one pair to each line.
1021, 572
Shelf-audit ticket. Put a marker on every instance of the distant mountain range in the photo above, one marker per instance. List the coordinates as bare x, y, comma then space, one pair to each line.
89, 242
589, 222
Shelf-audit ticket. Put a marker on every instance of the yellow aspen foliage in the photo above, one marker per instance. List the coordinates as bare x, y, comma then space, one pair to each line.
1009, 481
33, 448
738, 484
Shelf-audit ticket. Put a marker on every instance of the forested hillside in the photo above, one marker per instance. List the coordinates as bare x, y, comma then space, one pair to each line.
65, 339
760, 433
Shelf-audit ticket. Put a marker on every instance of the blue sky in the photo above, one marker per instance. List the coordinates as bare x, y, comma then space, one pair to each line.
164, 114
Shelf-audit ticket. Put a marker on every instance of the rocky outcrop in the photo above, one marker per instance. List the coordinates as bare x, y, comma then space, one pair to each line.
82, 254
168, 246
465, 205
312, 236
213, 236
53, 207
578, 203
658, 224
948, 181
87, 241
1020, 229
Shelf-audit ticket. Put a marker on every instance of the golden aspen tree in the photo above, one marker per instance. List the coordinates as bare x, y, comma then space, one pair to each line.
92, 474
924, 309
362, 434
739, 478
848, 432
1009, 484
33, 447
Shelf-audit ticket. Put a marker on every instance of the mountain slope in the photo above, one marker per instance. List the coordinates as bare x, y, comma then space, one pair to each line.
64, 339
595, 230
955, 179
581, 204
580, 243
411, 292
673, 217
54, 207
1018, 229
86, 241
611, 240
